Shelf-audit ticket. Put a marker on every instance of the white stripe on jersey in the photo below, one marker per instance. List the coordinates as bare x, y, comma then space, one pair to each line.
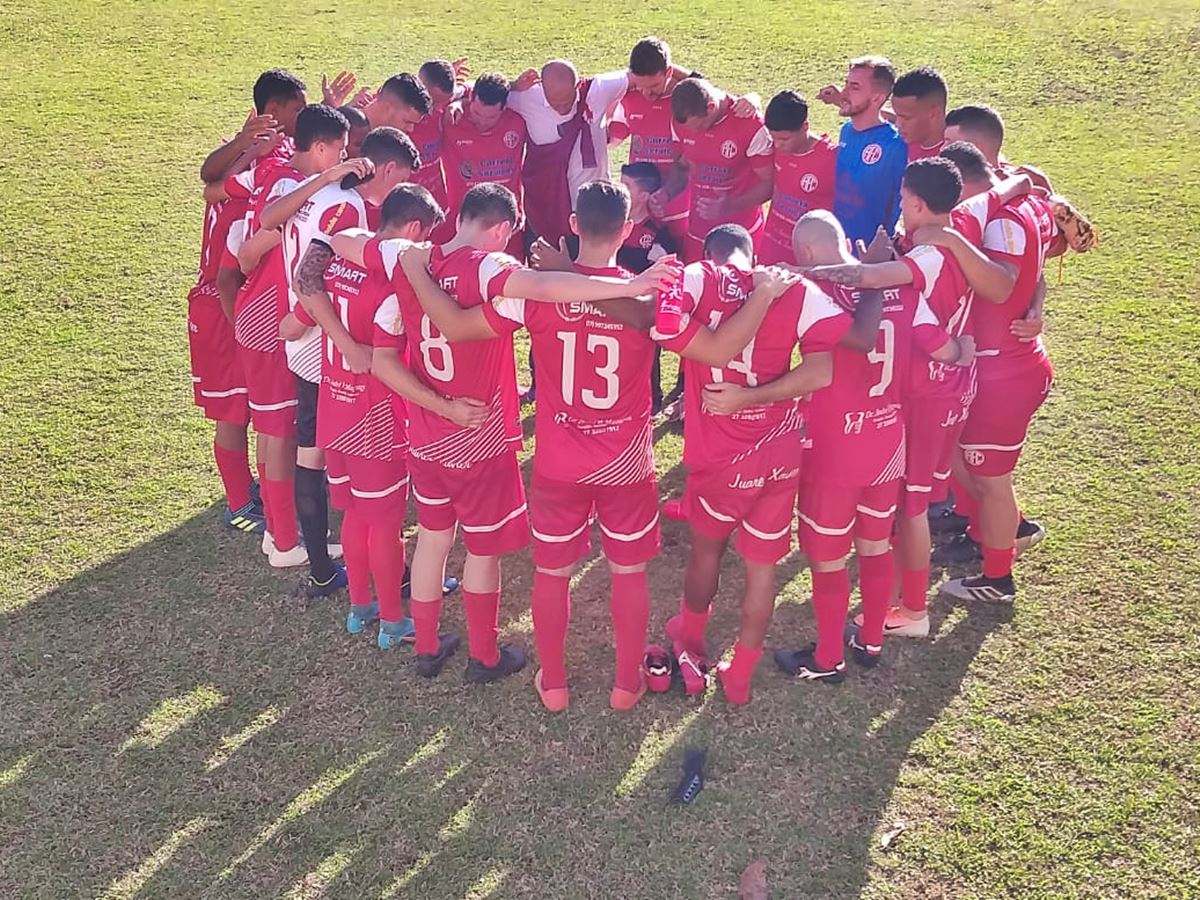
632, 465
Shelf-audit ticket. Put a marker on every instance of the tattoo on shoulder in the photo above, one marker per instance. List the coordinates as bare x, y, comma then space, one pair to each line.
310, 276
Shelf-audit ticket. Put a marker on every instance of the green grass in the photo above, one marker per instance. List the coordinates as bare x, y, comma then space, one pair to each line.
175, 724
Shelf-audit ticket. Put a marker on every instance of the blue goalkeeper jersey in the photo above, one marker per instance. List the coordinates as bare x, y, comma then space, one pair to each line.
870, 165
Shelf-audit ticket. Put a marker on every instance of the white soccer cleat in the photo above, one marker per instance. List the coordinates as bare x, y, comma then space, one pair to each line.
288, 559
335, 551
901, 624
268, 543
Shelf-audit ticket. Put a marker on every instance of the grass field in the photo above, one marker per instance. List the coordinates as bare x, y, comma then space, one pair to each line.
175, 723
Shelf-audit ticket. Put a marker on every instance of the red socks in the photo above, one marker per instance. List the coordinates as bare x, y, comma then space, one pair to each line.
741, 667
234, 467
483, 625
998, 563
630, 609
386, 546
551, 615
831, 603
280, 498
694, 626
914, 586
357, 558
876, 579
426, 616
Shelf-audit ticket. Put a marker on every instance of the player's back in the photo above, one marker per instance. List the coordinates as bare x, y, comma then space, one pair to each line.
262, 300
945, 311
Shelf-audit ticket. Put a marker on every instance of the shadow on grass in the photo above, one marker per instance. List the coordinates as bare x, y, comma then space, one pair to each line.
177, 724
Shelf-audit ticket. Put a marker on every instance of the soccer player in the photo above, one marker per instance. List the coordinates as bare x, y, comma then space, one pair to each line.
803, 177
359, 126
441, 78
723, 158
470, 475
279, 97
401, 102
649, 240
872, 155
919, 103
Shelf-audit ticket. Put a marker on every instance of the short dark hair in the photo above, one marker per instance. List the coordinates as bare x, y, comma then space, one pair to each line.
355, 116
318, 123
439, 73
601, 208
646, 174
489, 204
925, 83
968, 159
277, 85
787, 111
883, 73
689, 99
979, 118
650, 56
410, 203
384, 145
407, 88
491, 89
726, 240
936, 181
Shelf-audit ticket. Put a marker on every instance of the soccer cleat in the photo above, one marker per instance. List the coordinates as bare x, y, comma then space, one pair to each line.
449, 586
736, 692
802, 664
1029, 535
900, 623
672, 410
985, 590
316, 589
334, 550
429, 665
622, 700
656, 669
947, 521
360, 618
396, 634
693, 666
288, 559
673, 510
249, 519
512, 661
255, 492
959, 551
866, 655
268, 543
554, 699
692, 782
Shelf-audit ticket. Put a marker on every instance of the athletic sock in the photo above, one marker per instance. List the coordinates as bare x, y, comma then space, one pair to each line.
694, 626
426, 616
630, 610
262, 493
831, 603
387, 569
551, 615
745, 659
876, 580
281, 501
483, 625
914, 586
234, 468
357, 558
312, 505
998, 561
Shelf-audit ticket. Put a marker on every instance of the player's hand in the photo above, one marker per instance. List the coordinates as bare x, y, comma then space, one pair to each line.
774, 281
358, 358
712, 209
466, 412
1037, 176
291, 328
335, 92
462, 69
415, 257
725, 399
546, 258
257, 128
880, 249
526, 80
966, 350
454, 113
364, 96
934, 235
658, 203
659, 277
844, 274
746, 106
266, 144
1029, 328
360, 166
831, 94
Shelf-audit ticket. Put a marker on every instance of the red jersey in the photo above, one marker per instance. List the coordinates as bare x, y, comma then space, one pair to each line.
804, 315
722, 161
470, 158
945, 312
803, 182
593, 409
484, 370
428, 138
652, 139
218, 219
262, 300
919, 151
855, 423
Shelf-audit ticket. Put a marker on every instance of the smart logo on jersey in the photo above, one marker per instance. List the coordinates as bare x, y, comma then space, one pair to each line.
511, 139
574, 312
729, 149
872, 153
808, 183
338, 218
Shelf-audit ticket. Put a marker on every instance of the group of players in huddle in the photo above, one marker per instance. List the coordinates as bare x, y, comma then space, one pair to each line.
361, 281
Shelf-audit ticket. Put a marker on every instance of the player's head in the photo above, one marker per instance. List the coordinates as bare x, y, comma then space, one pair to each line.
488, 99
976, 173
786, 118
359, 126
437, 75
321, 133
601, 216
282, 95
641, 179
929, 190
978, 124
402, 102
919, 100
409, 211
488, 216
560, 80
868, 84
395, 157
818, 239
696, 104
650, 67
730, 245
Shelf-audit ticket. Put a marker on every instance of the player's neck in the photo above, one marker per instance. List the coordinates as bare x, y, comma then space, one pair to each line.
306, 164
866, 119
809, 141
639, 212
596, 256
467, 236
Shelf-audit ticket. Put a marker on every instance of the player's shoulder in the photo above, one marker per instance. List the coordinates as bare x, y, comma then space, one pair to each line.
843, 296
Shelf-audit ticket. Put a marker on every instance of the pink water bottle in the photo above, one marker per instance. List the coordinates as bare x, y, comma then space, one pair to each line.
668, 315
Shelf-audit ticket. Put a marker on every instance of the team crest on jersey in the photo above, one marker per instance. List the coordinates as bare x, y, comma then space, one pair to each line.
809, 183
729, 149
973, 457
872, 153
466, 170
338, 218
511, 139
646, 241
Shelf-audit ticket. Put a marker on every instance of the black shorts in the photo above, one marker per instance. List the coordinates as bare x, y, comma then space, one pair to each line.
306, 413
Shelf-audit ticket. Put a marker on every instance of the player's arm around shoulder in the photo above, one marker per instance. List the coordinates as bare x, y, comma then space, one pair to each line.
454, 322
717, 348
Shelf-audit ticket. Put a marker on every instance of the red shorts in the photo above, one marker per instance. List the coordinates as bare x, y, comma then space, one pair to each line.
488, 499
833, 515
561, 515
931, 429
375, 488
218, 386
992, 439
272, 388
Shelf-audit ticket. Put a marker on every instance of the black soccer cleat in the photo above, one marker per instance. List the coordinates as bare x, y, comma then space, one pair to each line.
316, 589
692, 782
802, 664
1029, 535
866, 655
960, 551
512, 661
947, 522
429, 665
983, 590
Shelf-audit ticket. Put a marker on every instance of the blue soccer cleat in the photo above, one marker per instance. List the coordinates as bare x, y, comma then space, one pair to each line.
249, 519
396, 634
334, 583
360, 618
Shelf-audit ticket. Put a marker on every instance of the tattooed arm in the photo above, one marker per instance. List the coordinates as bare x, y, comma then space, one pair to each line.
310, 291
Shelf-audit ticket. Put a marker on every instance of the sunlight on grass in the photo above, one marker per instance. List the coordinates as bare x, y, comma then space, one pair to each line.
232, 743
876, 724
451, 773
13, 773
522, 624
461, 820
954, 617
129, 884
430, 748
171, 715
316, 883
582, 571
394, 889
655, 746
303, 803
487, 885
